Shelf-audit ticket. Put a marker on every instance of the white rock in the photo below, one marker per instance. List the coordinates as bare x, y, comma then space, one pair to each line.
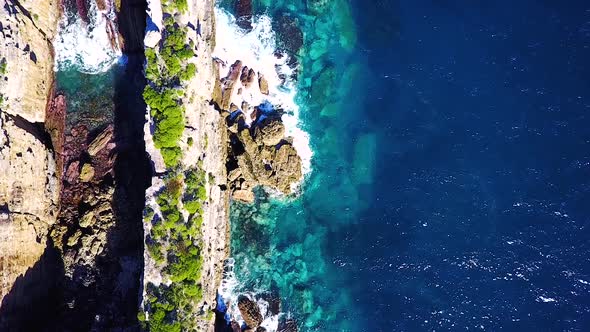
152, 38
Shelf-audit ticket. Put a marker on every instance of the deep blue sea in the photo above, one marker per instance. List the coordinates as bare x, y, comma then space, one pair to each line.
450, 187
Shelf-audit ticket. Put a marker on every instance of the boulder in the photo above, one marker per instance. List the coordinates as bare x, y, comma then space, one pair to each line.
87, 173
87, 220
101, 141
247, 77
270, 131
246, 196
227, 85
262, 84
250, 312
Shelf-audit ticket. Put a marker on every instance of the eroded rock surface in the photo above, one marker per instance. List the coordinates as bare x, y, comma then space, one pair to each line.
250, 312
28, 181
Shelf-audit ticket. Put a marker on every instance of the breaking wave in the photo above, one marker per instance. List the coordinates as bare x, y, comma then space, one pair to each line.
257, 50
87, 39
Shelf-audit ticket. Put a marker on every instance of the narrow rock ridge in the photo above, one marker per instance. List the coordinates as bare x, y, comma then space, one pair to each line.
203, 144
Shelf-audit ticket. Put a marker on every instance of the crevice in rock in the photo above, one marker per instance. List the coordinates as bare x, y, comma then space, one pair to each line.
36, 129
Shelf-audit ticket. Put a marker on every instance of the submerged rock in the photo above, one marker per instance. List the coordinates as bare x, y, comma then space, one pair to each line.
250, 312
290, 37
244, 14
289, 326
317, 6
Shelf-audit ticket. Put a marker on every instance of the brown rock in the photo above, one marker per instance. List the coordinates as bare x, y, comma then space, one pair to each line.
250, 312
101, 141
247, 77
270, 131
87, 173
263, 84
246, 196
227, 84
73, 172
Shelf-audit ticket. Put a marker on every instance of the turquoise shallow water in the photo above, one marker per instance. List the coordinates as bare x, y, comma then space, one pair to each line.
279, 245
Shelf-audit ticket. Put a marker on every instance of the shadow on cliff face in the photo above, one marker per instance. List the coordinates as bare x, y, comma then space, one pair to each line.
102, 295
119, 292
36, 298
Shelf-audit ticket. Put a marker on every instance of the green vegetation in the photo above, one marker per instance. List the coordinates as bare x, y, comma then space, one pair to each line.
167, 69
174, 240
175, 5
195, 191
3, 65
174, 243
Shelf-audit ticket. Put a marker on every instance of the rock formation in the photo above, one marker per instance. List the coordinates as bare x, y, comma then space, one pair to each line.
249, 311
259, 153
28, 185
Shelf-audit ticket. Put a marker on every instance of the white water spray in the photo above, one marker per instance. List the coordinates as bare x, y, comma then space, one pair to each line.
91, 47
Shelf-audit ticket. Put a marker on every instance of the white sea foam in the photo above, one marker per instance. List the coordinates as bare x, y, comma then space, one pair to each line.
87, 47
256, 49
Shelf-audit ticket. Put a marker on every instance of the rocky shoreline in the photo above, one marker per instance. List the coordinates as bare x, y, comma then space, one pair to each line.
76, 184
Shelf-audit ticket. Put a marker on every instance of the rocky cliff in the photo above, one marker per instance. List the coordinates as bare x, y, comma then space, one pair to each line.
203, 151
28, 181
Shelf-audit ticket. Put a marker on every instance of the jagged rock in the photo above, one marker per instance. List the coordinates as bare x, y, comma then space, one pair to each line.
247, 77
227, 85
73, 172
250, 312
246, 196
270, 132
25, 43
73, 240
263, 84
234, 175
87, 220
101, 141
87, 173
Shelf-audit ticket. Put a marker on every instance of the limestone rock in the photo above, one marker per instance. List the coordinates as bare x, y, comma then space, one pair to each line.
101, 141
87, 173
270, 132
73, 240
87, 220
152, 38
246, 196
250, 312
25, 44
263, 84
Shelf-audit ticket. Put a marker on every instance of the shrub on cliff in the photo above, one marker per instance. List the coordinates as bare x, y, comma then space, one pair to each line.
179, 5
